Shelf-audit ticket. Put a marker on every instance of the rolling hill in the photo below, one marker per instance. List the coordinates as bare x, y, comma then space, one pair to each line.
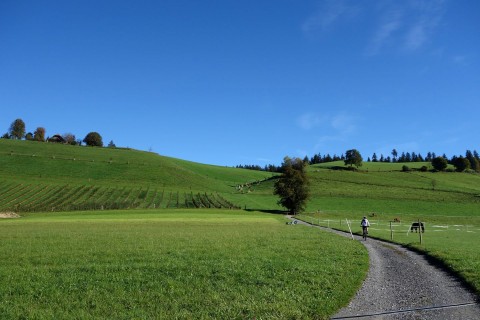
53, 177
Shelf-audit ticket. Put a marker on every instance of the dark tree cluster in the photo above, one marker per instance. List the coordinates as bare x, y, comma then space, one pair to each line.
267, 168
17, 130
318, 158
471, 160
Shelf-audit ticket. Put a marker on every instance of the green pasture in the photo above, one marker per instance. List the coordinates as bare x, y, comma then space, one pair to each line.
168, 264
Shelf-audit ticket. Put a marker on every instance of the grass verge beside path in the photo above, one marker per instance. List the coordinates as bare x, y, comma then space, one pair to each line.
199, 264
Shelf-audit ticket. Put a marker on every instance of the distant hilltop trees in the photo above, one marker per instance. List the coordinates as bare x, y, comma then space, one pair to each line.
469, 162
17, 131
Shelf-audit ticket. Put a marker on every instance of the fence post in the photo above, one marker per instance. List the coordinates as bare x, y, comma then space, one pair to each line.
420, 230
348, 224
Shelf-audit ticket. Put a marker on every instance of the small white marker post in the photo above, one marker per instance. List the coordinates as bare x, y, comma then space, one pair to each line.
348, 224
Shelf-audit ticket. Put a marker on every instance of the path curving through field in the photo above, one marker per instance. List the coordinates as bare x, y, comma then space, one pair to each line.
402, 284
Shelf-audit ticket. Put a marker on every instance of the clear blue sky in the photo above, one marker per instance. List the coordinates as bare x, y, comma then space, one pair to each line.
232, 82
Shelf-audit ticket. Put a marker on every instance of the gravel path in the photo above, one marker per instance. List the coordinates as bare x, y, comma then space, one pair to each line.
402, 284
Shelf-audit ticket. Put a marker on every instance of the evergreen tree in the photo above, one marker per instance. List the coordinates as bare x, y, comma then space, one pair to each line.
394, 154
408, 157
429, 157
474, 163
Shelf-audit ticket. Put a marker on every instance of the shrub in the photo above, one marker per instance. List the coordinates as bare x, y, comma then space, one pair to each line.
405, 168
439, 163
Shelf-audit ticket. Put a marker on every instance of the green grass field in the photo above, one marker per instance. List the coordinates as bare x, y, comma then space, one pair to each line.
142, 261
168, 264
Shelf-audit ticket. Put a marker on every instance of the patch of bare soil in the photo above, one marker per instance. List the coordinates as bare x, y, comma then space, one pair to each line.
7, 215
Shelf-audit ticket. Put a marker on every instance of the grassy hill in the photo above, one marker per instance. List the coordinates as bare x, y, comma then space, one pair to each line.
383, 187
46, 177
51, 177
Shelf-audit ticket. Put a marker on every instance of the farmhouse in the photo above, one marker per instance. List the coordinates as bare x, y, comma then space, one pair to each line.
56, 138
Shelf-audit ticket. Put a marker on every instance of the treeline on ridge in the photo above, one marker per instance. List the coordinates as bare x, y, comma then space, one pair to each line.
18, 131
471, 160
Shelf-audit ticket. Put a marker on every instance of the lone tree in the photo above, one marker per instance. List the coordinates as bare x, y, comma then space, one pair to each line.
93, 139
293, 185
353, 157
439, 163
17, 129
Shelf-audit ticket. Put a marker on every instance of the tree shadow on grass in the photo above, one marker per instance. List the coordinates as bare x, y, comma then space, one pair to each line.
282, 212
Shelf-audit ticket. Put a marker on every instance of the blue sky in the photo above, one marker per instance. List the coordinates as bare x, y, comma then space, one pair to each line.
246, 82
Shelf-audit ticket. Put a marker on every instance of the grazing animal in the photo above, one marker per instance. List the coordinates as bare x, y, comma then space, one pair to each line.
396, 220
416, 226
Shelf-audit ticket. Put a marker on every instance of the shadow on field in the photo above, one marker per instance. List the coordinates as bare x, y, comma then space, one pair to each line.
268, 211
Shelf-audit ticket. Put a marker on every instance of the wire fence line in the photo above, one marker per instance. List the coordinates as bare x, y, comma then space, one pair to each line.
389, 225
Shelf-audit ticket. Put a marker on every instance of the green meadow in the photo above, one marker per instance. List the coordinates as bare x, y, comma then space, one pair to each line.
173, 264
119, 233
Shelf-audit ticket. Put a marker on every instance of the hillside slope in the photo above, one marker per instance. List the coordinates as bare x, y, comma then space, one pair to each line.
382, 188
50, 177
